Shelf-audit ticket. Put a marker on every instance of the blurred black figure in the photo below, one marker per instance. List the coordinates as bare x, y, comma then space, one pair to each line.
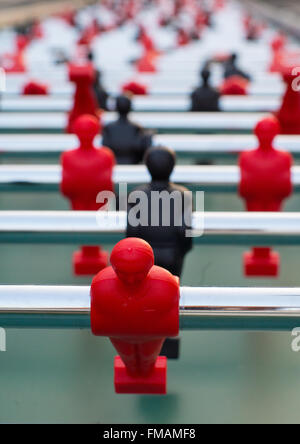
206, 97
231, 69
126, 139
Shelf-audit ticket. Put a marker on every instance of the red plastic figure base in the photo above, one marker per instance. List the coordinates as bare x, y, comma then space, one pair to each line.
89, 261
154, 384
261, 262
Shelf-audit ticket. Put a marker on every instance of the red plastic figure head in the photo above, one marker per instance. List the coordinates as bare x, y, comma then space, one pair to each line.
35, 88
86, 128
21, 43
135, 88
234, 86
266, 130
132, 259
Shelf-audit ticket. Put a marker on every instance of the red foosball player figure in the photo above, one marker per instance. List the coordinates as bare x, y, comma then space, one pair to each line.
234, 86
146, 64
289, 113
15, 62
136, 305
84, 99
33, 88
86, 171
135, 88
265, 183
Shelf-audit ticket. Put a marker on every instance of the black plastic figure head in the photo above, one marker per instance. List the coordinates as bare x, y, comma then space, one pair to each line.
123, 105
160, 162
233, 58
205, 75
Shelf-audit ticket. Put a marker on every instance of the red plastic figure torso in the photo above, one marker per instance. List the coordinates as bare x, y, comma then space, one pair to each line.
289, 113
265, 183
86, 170
265, 172
136, 304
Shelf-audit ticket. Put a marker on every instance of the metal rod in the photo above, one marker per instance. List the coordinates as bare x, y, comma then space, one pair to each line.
142, 104
200, 308
211, 145
174, 122
207, 178
92, 228
67, 90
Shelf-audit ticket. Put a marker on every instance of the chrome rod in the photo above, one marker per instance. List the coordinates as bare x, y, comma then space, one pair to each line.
214, 178
89, 228
200, 308
185, 145
57, 122
142, 104
179, 90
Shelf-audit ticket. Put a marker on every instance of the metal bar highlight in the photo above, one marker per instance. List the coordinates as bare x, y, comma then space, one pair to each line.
200, 308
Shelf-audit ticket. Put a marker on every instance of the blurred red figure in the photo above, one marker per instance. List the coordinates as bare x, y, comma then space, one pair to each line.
135, 88
89, 33
289, 113
33, 88
234, 86
183, 37
84, 99
15, 63
37, 30
218, 5
146, 64
136, 304
278, 45
86, 171
265, 183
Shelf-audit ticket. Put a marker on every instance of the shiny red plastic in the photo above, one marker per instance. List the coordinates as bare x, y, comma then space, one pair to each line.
84, 99
135, 88
289, 113
86, 171
136, 305
34, 88
146, 64
234, 86
265, 183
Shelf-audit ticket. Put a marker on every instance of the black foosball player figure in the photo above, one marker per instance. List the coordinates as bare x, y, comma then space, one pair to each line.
231, 69
164, 210
128, 140
205, 98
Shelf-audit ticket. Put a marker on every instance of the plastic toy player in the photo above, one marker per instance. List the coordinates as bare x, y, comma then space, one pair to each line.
265, 183
84, 99
127, 140
231, 68
289, 113
33, 88
205, 98
86, 171
136, 305
15, 62
170, 244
